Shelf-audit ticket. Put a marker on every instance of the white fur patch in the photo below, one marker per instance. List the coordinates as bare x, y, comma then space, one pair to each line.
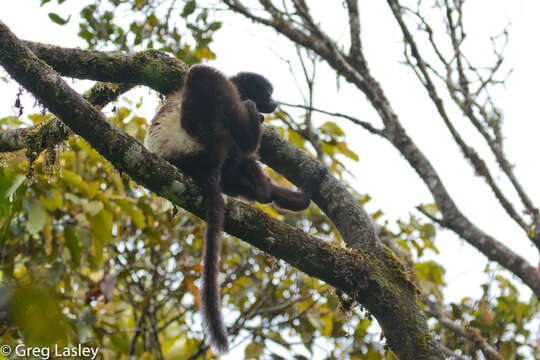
166, 137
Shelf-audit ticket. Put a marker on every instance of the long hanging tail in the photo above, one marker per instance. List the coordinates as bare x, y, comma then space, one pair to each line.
210, 291
206, 98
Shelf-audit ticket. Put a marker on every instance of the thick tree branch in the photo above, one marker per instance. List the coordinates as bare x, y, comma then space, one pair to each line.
371, 274
435, 310
355, 226
151, 68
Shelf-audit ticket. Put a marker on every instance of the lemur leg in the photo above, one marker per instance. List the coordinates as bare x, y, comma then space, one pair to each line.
290, 199
247, 179
241, 176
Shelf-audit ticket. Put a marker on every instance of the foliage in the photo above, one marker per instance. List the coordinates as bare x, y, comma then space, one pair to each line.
499, 315
63, 229
179, 27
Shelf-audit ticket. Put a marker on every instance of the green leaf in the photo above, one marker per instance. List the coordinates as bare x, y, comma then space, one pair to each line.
73, 244
74, 180
216, 25
189, 8
131, 210
101, 227
16, 184
331, 128
431, 209
54, 202
315, 320
36, 217
120, 342
57, 19
94, 207
278, 338
507, 349
429, 231
37, 315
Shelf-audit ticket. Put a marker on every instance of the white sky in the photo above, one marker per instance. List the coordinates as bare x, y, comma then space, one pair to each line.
381, 171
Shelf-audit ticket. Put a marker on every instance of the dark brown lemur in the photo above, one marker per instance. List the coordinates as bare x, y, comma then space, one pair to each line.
211, 130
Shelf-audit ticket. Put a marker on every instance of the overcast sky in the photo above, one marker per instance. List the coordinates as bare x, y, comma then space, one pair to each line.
381, 171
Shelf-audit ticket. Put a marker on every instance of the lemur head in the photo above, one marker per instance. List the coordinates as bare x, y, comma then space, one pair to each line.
257, 88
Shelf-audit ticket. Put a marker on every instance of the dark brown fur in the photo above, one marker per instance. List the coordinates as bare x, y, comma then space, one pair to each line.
223, 115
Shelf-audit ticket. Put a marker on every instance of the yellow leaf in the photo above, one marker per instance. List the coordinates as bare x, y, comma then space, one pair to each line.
93, 188
296, 138
328, 325
47, 234
431, 209
269, 210
16, 184
54, 202
94, 207
123, 112
328, 148
19, 272
331, 128
146, 356
344, 149
253, 351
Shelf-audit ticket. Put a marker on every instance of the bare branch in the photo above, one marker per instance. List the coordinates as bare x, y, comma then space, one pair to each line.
462, 225
354, 29
466, 101
366, 125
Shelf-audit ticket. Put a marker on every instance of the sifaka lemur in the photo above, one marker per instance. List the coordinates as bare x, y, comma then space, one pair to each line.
211, 130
